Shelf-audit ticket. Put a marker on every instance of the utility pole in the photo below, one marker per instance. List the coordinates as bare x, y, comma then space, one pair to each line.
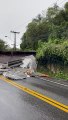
14, 38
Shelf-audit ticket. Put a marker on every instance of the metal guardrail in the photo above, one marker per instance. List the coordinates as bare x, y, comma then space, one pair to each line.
15, 63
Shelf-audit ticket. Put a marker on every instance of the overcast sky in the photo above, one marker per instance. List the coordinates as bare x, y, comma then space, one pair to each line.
16, 14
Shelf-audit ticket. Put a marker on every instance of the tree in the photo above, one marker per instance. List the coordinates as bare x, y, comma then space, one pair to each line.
29, 37
66, 11
38, 19
52, 12
3, 45
34, 33
66, 6
53, 27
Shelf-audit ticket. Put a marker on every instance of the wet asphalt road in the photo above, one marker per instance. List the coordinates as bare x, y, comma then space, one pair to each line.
16, 104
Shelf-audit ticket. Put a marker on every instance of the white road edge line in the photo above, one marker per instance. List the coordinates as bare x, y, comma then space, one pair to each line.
55, 82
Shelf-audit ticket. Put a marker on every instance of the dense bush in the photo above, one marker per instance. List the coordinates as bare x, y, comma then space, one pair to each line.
52, 52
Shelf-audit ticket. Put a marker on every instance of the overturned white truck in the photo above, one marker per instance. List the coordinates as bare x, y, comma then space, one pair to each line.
29, 63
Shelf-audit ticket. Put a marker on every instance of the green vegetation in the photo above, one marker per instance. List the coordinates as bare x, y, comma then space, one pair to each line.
3, 45
53, 26
59, 74
48, 36
53, 52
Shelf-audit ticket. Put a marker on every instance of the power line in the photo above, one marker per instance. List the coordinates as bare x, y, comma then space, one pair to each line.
57, 1
61, 2
28, 20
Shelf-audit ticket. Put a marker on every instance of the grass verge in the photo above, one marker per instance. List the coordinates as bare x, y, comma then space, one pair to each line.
58, 74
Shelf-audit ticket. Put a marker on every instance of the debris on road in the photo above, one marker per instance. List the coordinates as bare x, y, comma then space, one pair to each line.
42, 75
3, 66
14, 75
19, 69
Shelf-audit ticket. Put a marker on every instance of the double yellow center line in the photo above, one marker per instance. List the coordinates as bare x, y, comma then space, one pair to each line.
38, 95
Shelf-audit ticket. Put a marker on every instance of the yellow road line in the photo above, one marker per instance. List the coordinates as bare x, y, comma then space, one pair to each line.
38, 95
